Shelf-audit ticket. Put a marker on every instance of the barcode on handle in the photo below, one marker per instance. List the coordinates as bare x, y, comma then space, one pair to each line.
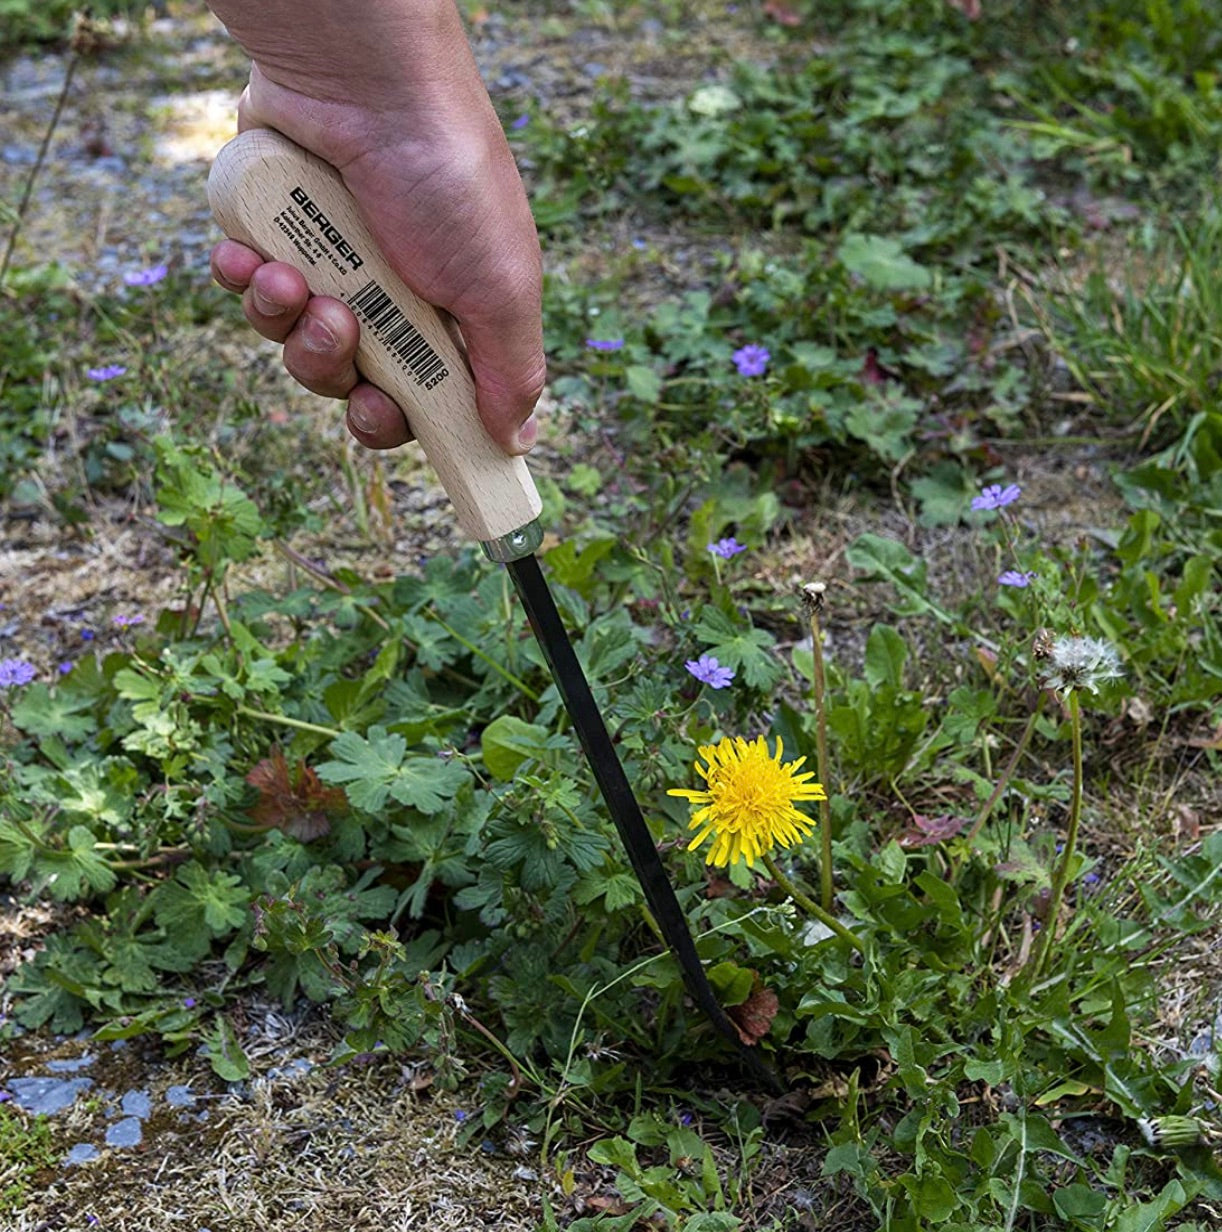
396, 332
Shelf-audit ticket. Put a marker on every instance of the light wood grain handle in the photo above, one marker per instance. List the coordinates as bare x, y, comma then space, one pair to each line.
268, 193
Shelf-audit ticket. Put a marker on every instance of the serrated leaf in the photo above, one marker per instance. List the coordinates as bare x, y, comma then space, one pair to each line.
369, 763
198, 900
880, 261
43, 713
747, 650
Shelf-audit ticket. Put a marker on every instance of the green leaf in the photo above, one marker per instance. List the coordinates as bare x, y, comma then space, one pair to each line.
1078, 1201
643, 383
225, 1052
1152, 1216
197, 900
369, 763
886, 651
615, 1153
889, 560
69, 874
880, 261
509, 741
427, 783
746, 650
43, 713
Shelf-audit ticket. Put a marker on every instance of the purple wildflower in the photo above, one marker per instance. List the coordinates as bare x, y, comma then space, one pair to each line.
188, 1003
65, 667
459, 1114
725, 548
106, 373
708, 671
1091, 878
521, 122
997, 497
751, 360
1012, 577
87, 635
146, 277
604, 344
15, 671
123, 622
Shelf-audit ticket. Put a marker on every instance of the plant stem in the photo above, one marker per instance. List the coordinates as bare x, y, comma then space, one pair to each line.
811, 907
1007, 771
492, 663
827, 887
41, 158
1061, 875
285, 721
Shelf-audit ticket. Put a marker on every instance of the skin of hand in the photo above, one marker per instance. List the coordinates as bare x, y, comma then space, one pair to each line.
388, 93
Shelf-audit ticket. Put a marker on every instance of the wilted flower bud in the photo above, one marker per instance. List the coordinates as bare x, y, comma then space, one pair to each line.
1173, 1131
813, 595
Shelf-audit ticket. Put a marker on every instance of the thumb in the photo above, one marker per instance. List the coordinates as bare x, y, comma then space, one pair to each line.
505, 350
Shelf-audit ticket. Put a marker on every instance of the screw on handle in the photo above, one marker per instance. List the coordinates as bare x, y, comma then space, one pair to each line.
288, 205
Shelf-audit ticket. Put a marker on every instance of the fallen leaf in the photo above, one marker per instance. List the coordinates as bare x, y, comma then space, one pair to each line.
754, 1016
296, 802
926, 831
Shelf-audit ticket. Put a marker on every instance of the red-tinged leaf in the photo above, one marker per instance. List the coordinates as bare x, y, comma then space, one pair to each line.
926, 831
873, 372
754, 1016
783, 14
718, 887
296, 802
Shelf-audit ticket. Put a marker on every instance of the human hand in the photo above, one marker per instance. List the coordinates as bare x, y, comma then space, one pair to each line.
433, 177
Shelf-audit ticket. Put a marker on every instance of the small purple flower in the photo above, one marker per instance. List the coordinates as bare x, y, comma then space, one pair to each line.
708, 671
106, 373
87, 635
521, 122
65, 667
604, 344
188, 1003
1091, 878
123, 622
145, 277
459, 1114
725, 548
685, 1119
1012, 577
751, 360
997, 497
15, 671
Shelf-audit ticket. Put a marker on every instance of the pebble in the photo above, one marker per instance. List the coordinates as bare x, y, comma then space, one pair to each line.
137, 1104
180, 1097
70, 1066
127, 1132
47, 1095
82, 1153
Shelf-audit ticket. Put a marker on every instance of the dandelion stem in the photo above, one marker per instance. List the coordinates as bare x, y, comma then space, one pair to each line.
811, 907
826, 884
1061, 875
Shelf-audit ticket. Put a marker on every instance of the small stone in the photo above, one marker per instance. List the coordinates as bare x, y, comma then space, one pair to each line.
47, 1095
127, 1132
180, 1097
137, 1104
82, 1153
71, 1065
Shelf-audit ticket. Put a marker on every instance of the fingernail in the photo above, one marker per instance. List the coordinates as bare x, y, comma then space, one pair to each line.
528, 433
267, 307
360, 420
318, 336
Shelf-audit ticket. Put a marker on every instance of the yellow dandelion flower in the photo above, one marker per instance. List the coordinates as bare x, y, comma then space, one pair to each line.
749, 804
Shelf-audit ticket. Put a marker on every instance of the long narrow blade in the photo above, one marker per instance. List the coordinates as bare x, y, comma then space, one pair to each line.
621, 803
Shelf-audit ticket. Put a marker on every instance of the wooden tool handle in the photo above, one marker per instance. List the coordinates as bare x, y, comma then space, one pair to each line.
291, 206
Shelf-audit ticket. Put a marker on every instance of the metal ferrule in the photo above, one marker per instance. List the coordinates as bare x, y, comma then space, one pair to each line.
524, 541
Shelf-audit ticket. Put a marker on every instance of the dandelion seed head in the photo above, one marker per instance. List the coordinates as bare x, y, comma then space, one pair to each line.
747, 807
1080, 663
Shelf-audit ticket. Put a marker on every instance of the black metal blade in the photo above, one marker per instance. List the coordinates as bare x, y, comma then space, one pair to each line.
575, 692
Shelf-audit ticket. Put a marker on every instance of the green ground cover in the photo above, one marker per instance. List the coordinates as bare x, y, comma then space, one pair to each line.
919, 310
